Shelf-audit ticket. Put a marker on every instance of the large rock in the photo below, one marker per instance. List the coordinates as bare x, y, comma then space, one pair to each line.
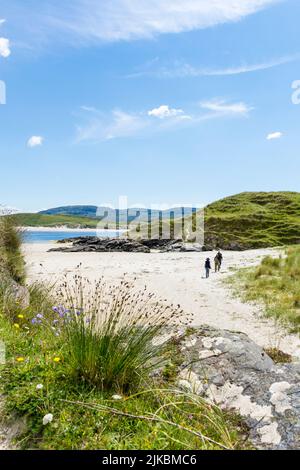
121, 244
232, 371
96, 244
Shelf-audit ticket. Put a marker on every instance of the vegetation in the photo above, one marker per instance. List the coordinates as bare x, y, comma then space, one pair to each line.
11, 260
254, 220
275, 283
41, 220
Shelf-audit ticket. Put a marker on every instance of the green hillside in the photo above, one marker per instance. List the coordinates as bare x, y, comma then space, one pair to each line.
40, 220
253, 220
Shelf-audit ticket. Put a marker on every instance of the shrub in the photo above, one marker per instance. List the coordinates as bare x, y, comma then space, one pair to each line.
110, 332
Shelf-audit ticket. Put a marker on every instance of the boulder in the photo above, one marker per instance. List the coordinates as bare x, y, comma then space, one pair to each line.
230, 370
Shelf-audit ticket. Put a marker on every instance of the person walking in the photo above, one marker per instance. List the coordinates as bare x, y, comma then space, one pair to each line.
217, 263
220, 258
207, 267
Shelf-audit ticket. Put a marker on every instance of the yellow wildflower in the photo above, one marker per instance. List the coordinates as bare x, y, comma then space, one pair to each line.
21, 316
16, 325
56, 359
20, 359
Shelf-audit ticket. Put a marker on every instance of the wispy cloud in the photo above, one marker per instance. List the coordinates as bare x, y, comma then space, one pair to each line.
179, 69
35, 141
115, 20
99, 126
274, 135
221, 107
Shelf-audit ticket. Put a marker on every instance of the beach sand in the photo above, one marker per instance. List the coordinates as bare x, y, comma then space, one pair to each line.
177, 278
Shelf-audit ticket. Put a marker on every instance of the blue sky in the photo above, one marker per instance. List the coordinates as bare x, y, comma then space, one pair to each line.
165, 101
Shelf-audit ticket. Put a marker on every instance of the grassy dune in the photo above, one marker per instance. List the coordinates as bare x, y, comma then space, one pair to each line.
254, 220
276, 284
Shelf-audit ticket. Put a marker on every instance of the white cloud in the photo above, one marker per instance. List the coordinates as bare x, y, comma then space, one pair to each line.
4, 47
115, 20
274, 135
165, 111
180, 69
2, 21
35, 141
221, 107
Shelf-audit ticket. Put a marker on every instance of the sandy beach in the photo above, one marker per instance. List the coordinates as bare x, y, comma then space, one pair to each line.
176, 277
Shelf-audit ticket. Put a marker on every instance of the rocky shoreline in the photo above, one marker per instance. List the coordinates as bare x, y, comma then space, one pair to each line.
95, 244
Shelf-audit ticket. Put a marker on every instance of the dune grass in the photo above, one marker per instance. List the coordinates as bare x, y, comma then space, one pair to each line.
276, 284
11, 260
254, 220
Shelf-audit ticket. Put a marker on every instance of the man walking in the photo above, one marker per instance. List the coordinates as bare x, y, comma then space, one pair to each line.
207, 267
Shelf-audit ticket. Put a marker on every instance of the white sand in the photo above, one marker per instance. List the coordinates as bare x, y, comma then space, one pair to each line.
178, 278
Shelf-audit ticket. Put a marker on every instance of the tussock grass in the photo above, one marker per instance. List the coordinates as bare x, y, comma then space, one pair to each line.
110, 331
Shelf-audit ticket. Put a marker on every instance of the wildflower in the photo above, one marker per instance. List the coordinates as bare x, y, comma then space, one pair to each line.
48, 418
57, 359
40, 387
20, 359
34, 321
39, 315
21, 316
117, 397
16, 325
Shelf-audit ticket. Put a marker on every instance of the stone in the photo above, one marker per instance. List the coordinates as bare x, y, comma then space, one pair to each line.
230, 370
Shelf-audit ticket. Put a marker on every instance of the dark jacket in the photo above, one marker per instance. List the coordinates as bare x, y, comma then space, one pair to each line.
207, 264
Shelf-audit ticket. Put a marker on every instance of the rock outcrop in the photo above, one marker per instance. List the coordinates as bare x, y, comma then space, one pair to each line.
232, 371
85, 244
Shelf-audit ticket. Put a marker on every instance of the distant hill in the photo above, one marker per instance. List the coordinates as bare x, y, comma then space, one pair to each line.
253, 220
41, 220
109, 214
78, 211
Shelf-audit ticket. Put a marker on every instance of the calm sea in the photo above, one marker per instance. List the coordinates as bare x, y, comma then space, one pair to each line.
44, 237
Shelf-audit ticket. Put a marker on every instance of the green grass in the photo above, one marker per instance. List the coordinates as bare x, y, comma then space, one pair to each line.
275, 284
41, 220
88, 417
254, 220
